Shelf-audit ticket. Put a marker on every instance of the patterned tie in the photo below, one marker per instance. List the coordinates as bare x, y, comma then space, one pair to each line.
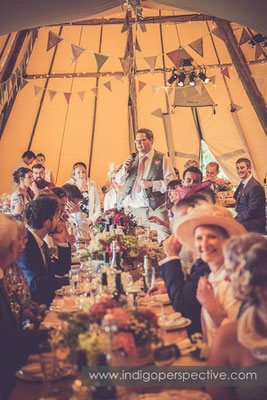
140, 172
241, 187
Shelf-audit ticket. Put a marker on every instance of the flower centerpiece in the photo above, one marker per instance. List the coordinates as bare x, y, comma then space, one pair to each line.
221, 185
116, 217
106, 323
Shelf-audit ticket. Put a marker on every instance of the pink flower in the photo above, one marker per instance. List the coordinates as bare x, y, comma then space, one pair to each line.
124, 341
116, 219
119, 316
99, 309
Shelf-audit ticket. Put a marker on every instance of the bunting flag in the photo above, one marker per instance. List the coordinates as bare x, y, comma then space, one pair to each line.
23, 83
37, 89
95, 91
174, 57
119, 78
197, 45
237, 107
125, 63
81, 95
141, 85
183, 55
76, 51
108, 86
67, 96
137, 46
244, 37
217, 32
125, 26
225, 72
155, 90
53, 40
143, 27
213, 80
51, 93
258, 51
100, 60
260, 82
199, 87
151, 63
157, 113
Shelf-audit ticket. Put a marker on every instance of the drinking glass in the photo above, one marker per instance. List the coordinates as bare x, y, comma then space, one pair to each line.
149, 276
48, 361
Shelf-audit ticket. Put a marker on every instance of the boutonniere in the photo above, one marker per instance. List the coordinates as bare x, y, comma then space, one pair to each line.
53, 253
157, 162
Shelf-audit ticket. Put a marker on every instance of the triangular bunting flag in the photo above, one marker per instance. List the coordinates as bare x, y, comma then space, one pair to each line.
213, 80
23, 82
100, 60
260, 82
108, 86
67, 96
95, 91
258, 52
244, 37
197, 45
37, 89
237, 107
137, 46
52, 93
119, 78
174, 57
183, 55
199, 87
76, 51
157, 113
53, 40
125, 63
141, 85
81, 95
155, 90
217, 32
143, 27
225, 72
151, 62
125, 26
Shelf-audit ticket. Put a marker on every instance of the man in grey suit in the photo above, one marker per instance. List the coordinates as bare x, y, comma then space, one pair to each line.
250, 199
145, 177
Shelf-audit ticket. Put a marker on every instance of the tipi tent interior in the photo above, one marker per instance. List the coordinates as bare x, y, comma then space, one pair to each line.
77, 79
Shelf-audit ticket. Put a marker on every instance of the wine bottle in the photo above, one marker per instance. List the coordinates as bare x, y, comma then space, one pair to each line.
121, 221
119, 287
145, 288
103, 392
106, 258
104, 283
106, 228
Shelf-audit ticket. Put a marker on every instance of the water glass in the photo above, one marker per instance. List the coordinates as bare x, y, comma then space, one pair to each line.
49, 366
149, 276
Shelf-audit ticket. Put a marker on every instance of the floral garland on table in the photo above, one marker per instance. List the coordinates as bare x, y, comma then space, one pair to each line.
221, 185
116, 216
129, 329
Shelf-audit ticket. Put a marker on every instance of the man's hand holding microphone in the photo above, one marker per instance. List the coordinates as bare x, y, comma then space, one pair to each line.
129, 162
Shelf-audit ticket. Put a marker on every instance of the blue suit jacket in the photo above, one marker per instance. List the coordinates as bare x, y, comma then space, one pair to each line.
42, 283
250, 206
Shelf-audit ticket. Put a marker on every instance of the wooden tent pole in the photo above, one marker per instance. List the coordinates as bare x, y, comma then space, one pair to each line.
243, 71
5, 44
43, 95
95, 110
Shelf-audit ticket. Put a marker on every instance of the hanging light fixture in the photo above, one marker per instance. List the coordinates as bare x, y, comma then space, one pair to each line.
181, 79
173, 77
192, 77
203, 77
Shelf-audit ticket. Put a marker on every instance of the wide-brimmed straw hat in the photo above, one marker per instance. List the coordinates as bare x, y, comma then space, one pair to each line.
207, 214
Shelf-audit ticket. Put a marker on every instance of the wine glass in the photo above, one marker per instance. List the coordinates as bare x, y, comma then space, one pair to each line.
149, 276
48, 361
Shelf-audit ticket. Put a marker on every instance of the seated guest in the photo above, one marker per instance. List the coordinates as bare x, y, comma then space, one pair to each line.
15, 344
24, 309
243, 342
73, 213
91, 191
39, 179
24, 179
113, 197
49, 177
170, 196
25, 161
212, 171
205, 229
250, 199
40, 269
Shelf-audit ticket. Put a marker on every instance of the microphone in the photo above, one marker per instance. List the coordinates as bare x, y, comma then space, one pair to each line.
133, 155
129, 161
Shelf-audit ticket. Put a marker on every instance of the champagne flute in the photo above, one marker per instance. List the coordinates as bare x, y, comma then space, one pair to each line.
149, 276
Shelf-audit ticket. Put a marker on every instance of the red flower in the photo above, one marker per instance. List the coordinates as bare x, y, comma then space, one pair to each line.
99, 309
116, 219
124, 341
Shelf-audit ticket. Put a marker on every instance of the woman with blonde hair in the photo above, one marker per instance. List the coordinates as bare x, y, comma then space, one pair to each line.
244, 342
112, 198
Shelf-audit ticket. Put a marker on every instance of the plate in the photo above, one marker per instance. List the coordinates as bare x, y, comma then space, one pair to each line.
63, 309
154, 301
33, 373
175, 324
173, 394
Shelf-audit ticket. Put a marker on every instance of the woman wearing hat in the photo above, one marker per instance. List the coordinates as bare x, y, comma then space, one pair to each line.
243, 342
204, 229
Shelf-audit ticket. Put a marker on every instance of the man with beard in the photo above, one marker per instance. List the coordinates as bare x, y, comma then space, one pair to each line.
39, 183
45, 274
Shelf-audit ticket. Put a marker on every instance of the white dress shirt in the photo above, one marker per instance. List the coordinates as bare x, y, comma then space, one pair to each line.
139, 199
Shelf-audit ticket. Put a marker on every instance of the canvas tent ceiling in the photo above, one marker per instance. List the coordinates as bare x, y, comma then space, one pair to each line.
17, 15
75, 125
